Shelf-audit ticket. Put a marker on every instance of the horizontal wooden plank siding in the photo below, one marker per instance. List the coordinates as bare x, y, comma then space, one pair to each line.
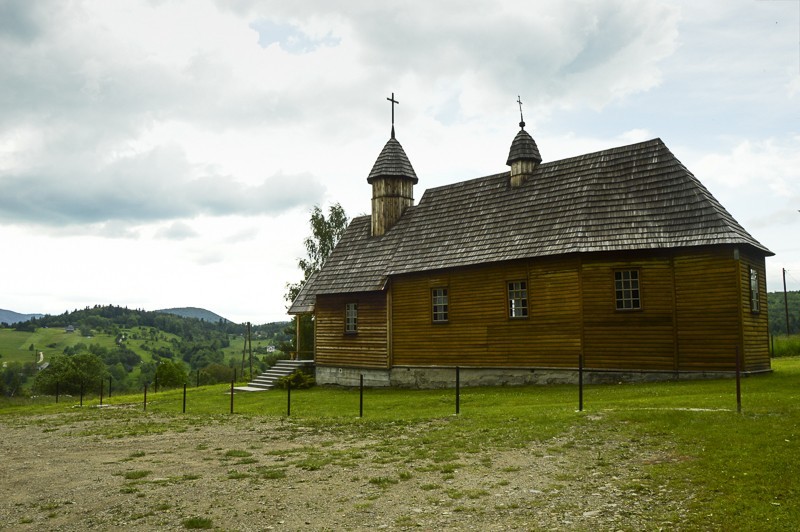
707, 309
367, 348
628, 339
694, 312
755, 325
479, 331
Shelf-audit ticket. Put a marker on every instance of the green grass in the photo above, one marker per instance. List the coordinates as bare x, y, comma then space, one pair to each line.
786, 346
15, 345
198, 523
135, 475
734, 470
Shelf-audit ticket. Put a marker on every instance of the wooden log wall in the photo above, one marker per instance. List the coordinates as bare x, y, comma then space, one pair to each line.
479, 331
694, 313
755, 326
708, 308
620, 339
368, 347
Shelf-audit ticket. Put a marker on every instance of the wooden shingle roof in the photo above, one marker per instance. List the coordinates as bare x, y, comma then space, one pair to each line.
523, 147
393, 162
633, 197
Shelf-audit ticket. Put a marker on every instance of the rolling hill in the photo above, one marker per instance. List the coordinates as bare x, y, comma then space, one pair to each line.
194, 312
11, 317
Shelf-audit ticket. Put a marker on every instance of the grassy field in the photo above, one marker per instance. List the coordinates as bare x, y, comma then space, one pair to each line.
785, 345
15, 345
736, 471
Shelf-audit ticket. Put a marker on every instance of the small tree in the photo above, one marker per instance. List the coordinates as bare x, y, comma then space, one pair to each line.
12, 377
325, 234
171, 374
70, 373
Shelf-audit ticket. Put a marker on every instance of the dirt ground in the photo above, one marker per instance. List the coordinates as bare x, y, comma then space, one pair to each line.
239, 473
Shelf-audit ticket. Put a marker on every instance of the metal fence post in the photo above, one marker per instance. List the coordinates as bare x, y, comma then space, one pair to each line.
458, 390
580, 381
738, 382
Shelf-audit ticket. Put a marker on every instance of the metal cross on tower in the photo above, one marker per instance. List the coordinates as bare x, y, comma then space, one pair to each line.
393, 102
521, 120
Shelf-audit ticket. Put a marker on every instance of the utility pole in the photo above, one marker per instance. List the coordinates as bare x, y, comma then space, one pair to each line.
250, 348
786, 303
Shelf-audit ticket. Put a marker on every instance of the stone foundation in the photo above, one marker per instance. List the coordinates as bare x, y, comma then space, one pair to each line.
430, 377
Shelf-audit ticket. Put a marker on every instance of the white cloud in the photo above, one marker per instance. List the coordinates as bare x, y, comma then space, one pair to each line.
177, 231
192, 137
771, 163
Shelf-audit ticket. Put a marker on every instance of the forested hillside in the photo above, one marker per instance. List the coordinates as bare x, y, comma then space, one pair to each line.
193, 312
777, 312
131, 348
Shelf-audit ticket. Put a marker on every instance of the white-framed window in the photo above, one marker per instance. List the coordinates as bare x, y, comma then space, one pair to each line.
626, 288
351, 318
755, 302
439, 305
517, 299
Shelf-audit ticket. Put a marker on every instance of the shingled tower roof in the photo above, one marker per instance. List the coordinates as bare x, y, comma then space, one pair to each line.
393, 162
523, 147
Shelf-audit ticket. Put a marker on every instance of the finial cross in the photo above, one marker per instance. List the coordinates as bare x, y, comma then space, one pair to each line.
521, 120
393, 102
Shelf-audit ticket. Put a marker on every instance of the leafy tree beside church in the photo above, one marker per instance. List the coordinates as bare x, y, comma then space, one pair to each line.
325, 234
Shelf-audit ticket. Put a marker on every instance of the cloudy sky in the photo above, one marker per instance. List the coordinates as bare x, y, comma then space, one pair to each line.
167, 153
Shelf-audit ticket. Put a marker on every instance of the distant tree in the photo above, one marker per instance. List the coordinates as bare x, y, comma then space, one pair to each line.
25, 326
171, 374
147, 373
12, 377
214, 373
119, 376
325, 234
69, 373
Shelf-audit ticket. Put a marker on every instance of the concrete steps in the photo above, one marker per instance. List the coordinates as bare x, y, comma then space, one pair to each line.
268, 379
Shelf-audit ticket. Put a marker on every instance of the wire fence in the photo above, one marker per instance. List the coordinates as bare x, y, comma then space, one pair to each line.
456, 390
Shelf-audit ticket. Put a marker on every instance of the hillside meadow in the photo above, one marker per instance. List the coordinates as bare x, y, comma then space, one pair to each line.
44, 343
674, 456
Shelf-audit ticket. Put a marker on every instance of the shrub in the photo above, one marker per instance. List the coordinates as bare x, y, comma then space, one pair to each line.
298, 379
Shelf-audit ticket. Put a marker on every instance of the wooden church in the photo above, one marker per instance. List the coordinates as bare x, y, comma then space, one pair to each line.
621, 257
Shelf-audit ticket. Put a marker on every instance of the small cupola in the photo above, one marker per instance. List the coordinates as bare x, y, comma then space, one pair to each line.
524, 157
392, 179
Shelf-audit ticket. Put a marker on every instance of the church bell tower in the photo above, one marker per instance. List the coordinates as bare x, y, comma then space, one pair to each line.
392, 179
523, 157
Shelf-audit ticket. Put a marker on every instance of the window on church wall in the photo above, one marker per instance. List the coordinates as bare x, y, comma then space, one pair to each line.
440, 305
518, 299
626, 288
755, 304
351, 318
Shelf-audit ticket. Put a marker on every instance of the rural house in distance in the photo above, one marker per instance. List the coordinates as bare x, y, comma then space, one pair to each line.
621, 255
